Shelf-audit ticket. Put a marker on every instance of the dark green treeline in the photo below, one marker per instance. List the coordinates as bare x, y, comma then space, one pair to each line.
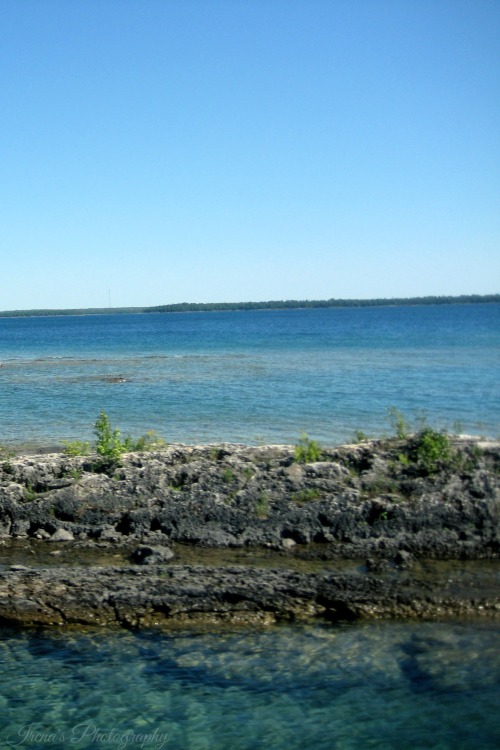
289, 304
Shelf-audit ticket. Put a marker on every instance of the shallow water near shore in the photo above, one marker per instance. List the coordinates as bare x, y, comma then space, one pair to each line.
250, 376
451, 577
428, 686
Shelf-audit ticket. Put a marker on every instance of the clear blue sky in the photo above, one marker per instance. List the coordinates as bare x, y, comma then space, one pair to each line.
220, 150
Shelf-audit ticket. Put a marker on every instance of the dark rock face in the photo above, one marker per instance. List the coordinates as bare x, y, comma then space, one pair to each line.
361, 501
365, 502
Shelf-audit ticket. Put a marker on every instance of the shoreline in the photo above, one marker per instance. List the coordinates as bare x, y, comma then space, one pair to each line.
242, 535
183, 307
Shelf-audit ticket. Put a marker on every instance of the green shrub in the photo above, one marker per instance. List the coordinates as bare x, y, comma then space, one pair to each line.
431, 450
108, 443
359, 436
381, 485
5, 456
262, 506
216, 454
304, 496
76, 448
149, 442
398, 422
306, 450
29, 493
6, 453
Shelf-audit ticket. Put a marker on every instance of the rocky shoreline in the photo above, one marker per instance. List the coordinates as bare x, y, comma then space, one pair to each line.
239, 534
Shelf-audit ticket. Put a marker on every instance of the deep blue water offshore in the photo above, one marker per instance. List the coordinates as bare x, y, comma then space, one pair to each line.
258, 376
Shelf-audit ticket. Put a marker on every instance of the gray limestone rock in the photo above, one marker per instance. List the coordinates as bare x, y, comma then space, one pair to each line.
62, 535
359, 501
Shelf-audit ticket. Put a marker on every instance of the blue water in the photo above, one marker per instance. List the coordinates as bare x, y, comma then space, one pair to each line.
391, 686
250, 376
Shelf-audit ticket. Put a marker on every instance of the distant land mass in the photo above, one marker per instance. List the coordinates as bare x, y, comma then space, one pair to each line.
288, 304
291, 304
82, 311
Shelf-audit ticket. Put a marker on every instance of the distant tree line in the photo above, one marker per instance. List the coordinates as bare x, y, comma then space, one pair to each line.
84, 311
289, 304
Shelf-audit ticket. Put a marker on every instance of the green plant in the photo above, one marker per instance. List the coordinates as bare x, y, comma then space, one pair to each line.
359, 436
5, 455
381, 485
75, 474
29, 493
262, 506
216, 454
108, 443
306, 450
76, 448
431, 449
306, 495
476, 453
398, 422
148, 442
228, 476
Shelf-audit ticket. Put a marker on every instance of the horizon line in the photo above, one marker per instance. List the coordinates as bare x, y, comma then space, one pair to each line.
264, 304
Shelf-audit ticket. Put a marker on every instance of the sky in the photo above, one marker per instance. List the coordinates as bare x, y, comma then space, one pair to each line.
160, 151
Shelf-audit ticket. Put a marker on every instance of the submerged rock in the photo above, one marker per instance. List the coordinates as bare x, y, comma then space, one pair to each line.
146, 555
195, 595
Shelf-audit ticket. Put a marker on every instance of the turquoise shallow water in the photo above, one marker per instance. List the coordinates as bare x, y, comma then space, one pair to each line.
250, 376
400, 686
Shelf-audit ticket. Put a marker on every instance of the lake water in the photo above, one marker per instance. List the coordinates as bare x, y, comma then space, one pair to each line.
392, 686
250, 376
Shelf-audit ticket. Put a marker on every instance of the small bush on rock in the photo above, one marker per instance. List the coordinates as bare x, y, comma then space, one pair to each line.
398, 422
149, 442
5, 455
262, 506
303, 496
431, 450
306, 450
108, 444
76, 448
359, 436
